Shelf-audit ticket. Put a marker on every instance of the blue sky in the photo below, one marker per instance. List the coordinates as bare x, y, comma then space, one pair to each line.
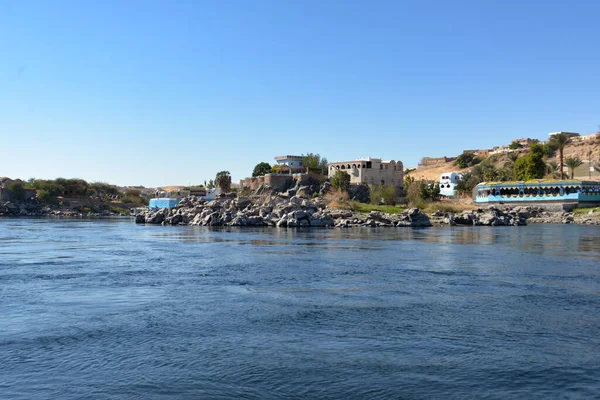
171, 92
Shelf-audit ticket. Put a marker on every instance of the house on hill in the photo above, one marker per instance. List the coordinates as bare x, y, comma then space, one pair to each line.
289, 164
371, 171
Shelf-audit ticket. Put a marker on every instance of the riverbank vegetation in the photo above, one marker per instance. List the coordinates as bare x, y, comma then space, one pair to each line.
55, 192
587, 210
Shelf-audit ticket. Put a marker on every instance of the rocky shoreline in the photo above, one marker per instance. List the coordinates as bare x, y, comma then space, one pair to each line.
274, 210
280, 210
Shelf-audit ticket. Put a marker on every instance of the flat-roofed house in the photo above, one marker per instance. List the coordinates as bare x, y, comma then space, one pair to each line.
371, 171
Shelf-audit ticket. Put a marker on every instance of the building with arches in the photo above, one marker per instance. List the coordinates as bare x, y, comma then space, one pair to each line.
371, 171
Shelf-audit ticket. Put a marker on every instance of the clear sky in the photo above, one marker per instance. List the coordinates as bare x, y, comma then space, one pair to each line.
170, 92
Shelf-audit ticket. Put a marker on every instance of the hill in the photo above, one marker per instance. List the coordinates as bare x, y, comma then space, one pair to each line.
586, 150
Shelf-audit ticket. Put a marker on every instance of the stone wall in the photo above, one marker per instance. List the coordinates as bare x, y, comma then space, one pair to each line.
5, 195
282, 182
431, 161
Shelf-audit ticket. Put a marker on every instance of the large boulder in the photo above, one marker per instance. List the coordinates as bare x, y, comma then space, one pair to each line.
464, 218
156, 217
305, 192
320, 220
380, 217
242, 202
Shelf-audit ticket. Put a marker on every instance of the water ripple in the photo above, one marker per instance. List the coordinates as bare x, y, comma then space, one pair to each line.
110, 310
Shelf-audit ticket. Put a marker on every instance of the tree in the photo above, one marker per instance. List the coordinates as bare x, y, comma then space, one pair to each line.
382, 193
549, 149
16, 190
261, 169
223, 181
572, 163
513, 156
531, 166
341, 181
467, 159
515, 146
560, 141
552, 168
314, 161
46, 197
210, 184
467, 183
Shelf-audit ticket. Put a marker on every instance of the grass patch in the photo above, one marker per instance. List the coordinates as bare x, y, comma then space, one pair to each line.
338, 199
367, 208
585, 210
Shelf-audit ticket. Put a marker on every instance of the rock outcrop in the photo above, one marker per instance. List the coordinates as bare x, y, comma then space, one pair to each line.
490, 216
278, 210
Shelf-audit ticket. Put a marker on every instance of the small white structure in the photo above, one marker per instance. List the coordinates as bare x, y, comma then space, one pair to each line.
448, 181
290, 161
211, 194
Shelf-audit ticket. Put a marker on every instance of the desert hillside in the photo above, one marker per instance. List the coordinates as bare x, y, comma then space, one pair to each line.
575, 149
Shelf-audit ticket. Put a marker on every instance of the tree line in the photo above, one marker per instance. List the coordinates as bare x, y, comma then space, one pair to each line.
48, 191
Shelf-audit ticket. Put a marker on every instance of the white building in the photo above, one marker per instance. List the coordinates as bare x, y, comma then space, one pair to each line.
448, 181
291, 161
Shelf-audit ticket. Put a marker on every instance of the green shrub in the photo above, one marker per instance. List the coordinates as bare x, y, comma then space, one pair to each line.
341, 181
385, 194
467, 183
515, 146
261, 169
531, 166
16, 190
46, 197
419, 192
549, 149
467, 159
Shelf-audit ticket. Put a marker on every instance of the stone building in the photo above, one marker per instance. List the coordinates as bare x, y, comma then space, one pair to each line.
371, 171
435, 161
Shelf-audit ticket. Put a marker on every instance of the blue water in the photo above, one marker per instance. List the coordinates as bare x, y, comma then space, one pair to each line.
111, 310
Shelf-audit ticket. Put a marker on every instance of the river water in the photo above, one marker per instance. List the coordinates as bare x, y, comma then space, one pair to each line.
109, 309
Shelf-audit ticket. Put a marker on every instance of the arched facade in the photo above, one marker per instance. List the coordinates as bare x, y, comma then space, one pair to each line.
371, 171
537, 191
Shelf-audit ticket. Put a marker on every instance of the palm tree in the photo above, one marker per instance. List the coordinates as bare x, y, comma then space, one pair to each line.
552, 168
223, 181
560, 140
572, 163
